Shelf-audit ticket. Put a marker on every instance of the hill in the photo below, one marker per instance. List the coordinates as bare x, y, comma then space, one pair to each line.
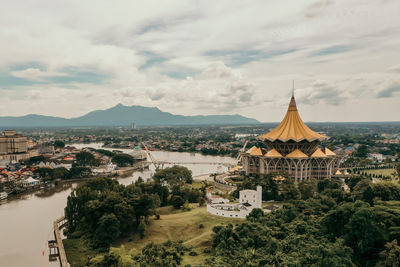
174, 225
121, 115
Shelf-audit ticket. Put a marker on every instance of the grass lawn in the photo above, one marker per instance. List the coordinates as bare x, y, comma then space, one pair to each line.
77, 252
173, 225
197, 185
183, 226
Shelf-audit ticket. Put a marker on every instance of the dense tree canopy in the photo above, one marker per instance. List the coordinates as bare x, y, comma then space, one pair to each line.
86, 159
101, 209
122, 160
62, 173
174, 176
329, 228
59, 144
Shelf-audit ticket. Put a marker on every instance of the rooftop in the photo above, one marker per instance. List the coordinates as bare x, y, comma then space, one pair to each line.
292, 128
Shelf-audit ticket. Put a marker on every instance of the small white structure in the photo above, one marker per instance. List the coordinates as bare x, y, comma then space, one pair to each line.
29, 182
248, 200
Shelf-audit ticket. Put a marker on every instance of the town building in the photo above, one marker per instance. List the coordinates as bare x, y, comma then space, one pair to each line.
13, 146
292, 148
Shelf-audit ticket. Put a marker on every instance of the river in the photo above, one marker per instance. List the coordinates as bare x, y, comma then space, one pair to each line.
26, 220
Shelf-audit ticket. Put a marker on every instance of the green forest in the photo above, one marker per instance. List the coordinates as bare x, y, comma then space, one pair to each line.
319, 224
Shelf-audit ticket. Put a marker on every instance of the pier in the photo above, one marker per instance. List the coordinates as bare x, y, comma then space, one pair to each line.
56, 246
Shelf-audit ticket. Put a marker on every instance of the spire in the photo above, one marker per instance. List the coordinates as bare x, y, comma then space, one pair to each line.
292, 127
293, 89
292, 104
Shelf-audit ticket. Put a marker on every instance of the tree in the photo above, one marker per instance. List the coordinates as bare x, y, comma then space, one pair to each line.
107, 230
289, 190
386, 191
122, 160
167, 254
177, 201
44, 173
61, 173
201, 201
307, 189
142, 229
36, 159
390, 256
363, 191
397, 168
362, 151
328, 184
59, 144
175, 175
102, 209
255, 215
79, 172
85, 159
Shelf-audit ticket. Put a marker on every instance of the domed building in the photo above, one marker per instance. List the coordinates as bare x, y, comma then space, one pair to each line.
292, 148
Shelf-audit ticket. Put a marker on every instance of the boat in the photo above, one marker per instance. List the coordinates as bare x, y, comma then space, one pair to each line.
3, 195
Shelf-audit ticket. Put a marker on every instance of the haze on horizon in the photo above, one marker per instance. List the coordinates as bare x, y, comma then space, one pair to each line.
202, 57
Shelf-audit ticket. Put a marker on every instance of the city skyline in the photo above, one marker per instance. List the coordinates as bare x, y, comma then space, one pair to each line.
188, 58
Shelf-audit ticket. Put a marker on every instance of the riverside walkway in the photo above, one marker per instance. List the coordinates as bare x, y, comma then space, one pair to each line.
57, 243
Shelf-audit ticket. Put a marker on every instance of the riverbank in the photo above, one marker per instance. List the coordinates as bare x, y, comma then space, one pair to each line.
50, 185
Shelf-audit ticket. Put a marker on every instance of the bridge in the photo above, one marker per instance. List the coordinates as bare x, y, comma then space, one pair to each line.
196, 162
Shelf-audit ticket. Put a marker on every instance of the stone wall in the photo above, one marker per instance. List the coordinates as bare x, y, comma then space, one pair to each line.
227, 213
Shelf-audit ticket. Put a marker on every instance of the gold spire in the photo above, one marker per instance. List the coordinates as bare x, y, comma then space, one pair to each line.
292, 128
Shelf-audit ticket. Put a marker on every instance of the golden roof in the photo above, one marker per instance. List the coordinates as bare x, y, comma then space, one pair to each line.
329, 152
292, 128
318, 154
279, 178
273, 153
236, 168
296, 154
255, 151
251, 149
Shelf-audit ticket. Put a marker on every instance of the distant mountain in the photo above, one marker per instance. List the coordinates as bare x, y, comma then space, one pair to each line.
121, 115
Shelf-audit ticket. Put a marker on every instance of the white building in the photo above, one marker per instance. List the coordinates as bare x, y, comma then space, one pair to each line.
29, 182
248, 200
376, 156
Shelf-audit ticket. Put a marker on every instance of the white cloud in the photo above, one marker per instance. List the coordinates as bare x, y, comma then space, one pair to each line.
29, 73
202, 57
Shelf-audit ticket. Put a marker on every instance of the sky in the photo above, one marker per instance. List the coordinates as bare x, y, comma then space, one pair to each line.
67, 58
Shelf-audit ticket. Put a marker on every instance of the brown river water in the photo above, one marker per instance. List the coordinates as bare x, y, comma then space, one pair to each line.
26, 220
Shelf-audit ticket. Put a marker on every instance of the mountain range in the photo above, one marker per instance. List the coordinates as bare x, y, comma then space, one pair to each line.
121, 115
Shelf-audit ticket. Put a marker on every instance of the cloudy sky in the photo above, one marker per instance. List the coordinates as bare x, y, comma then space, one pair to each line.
66, 58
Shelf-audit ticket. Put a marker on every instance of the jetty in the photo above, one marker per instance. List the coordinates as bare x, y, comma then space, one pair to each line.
56, 247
